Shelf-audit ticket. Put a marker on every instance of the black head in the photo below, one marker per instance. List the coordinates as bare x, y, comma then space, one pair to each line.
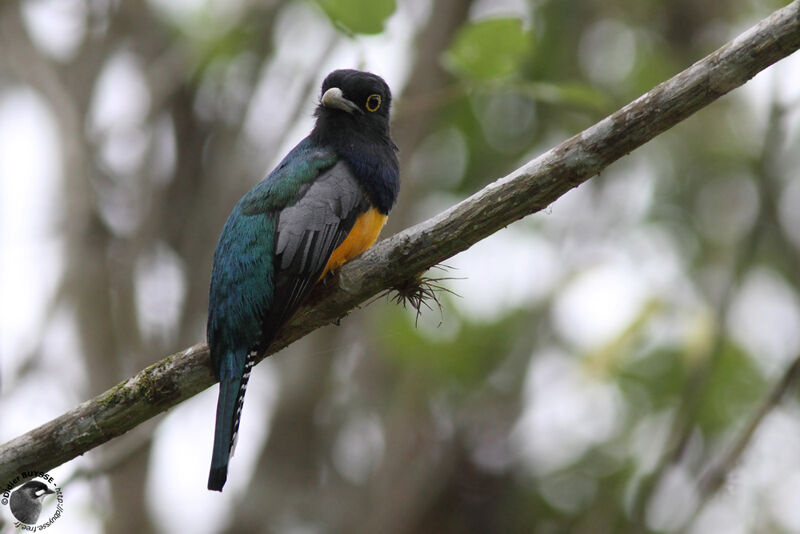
353, 121
35, 489
355, 97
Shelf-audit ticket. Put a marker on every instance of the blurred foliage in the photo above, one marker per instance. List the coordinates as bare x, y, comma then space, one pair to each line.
353, 16
733, 386
604, 353
487, 49
463, 358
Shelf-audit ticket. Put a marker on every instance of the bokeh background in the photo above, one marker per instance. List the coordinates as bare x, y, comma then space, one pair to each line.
601, 358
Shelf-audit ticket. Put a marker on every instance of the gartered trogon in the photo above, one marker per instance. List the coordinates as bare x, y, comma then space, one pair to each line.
323, 205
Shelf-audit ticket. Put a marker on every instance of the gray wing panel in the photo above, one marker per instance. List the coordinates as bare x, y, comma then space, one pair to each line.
309, 231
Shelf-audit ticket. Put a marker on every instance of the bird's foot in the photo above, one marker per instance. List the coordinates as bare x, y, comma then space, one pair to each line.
327, 278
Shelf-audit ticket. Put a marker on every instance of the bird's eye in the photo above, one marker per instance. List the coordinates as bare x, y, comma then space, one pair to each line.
373, 102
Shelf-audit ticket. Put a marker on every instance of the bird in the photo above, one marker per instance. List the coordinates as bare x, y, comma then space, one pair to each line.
323, 205
26, 501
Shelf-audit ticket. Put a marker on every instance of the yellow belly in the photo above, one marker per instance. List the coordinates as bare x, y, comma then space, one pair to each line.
363, 235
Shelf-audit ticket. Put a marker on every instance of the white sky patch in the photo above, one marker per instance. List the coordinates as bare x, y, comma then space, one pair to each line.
57, 27
119, 106
599, 303
721, 516
203, 19
182, 455
785, 501
673, 500
359, 447
765, 319
120, 99
506, 118
60, 338
23, 406
484, 9
509, 269
30, 262
160, 290
727, 208
627, 194
124, 150
658, 260
566, 412
648, 439
178, 9
441, 159
386, 54
607, 52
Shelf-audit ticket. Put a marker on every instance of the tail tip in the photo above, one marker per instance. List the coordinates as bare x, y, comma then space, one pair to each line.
217, 477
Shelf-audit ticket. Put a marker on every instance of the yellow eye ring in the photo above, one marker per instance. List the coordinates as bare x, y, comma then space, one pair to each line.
373, 102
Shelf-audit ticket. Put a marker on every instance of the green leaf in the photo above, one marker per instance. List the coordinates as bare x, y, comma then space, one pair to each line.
654, 380
488, 49
355, 16
734, 385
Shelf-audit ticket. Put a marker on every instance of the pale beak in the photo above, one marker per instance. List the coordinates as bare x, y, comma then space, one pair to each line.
334, 98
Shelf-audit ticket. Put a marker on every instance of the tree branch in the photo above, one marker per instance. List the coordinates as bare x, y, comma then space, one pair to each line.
526, 190
711, 480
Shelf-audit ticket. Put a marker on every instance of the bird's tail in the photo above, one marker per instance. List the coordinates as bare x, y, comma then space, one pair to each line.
232, 387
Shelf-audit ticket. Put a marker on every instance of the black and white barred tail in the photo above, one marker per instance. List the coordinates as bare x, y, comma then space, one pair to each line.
229, 413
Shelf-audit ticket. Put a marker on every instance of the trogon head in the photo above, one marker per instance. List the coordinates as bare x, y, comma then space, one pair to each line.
354, 99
